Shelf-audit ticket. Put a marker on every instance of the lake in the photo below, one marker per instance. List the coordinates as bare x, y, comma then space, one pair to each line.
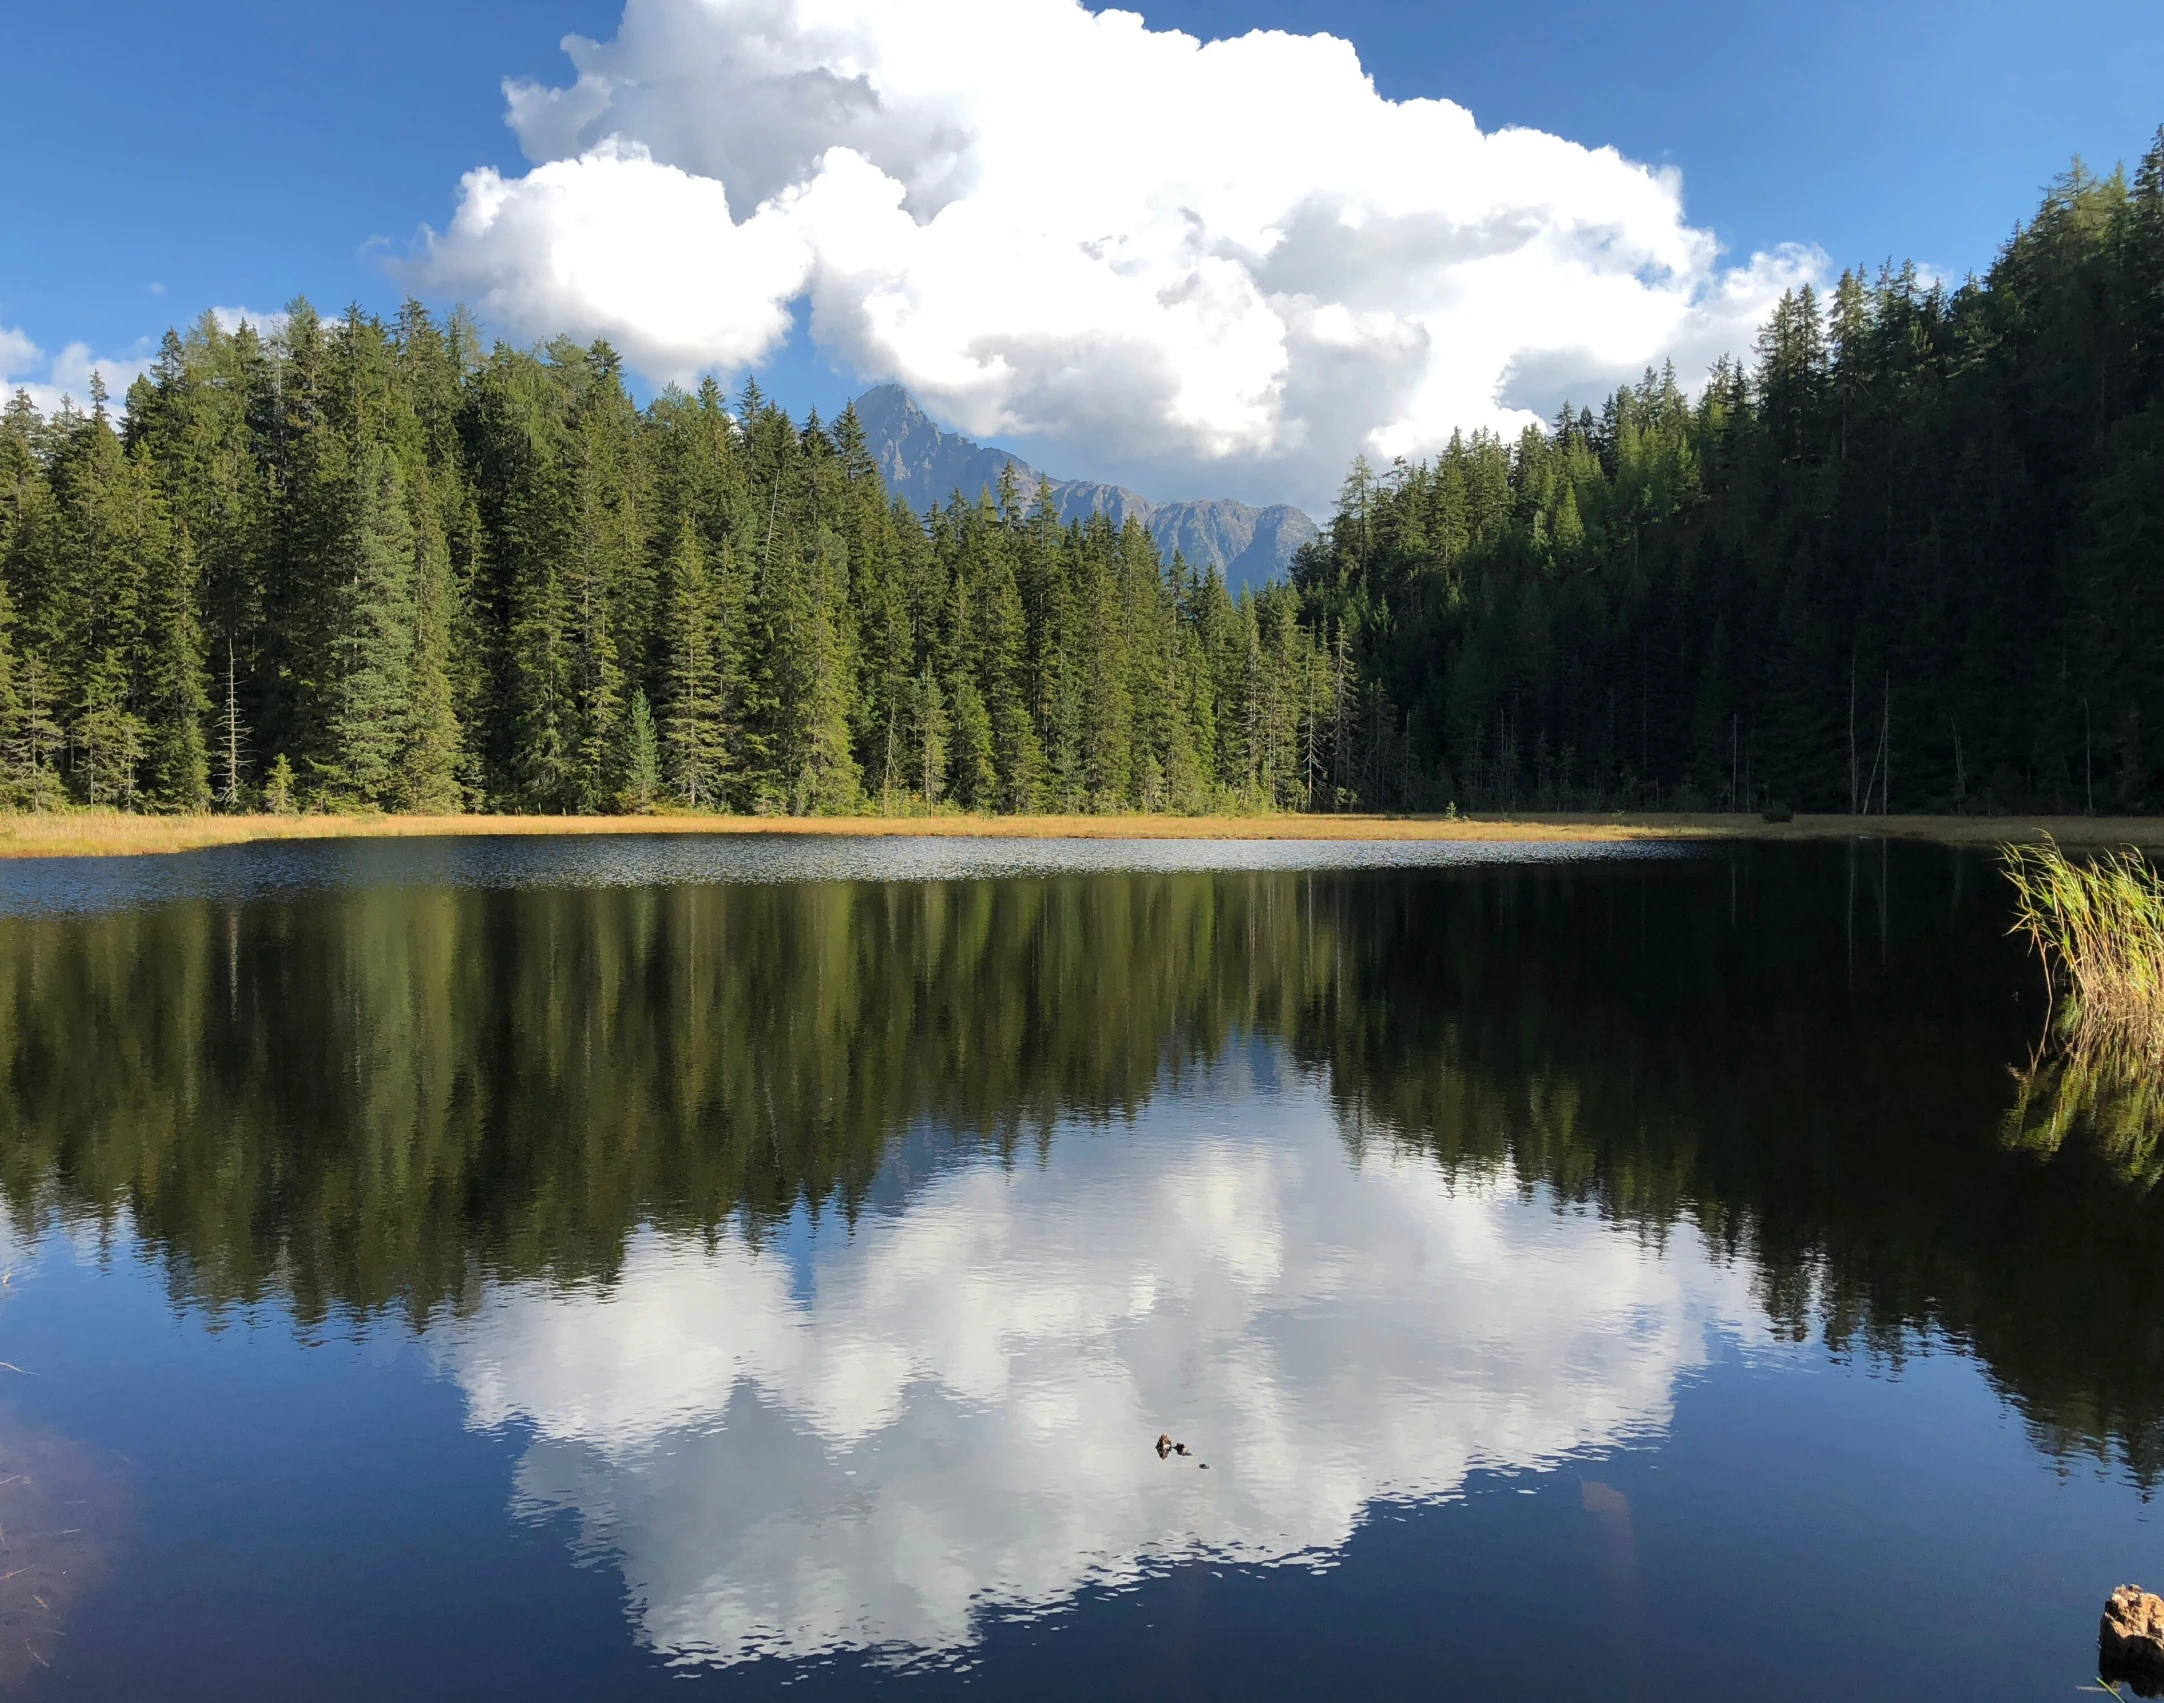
591, 1268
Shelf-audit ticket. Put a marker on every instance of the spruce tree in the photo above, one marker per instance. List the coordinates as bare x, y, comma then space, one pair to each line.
434, 751
15, 753
370, 680
974, 774
112, 529
1017, 755
930, 726
813, 676
591, 593
694, 754
174, 689
642, 754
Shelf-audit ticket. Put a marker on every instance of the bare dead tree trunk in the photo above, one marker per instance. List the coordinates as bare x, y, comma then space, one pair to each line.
1852, 731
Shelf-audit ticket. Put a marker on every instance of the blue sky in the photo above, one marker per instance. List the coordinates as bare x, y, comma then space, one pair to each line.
240, 153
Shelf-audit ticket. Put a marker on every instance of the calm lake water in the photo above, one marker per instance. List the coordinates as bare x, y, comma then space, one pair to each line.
579, 1269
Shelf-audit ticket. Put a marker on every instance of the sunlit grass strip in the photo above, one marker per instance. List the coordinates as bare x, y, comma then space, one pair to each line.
2098, 924
95, 833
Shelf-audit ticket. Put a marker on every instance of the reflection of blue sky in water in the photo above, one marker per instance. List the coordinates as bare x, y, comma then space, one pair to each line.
956, 1413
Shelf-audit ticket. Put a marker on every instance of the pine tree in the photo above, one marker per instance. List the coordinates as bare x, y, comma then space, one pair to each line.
973, 773
694, 723
174, 691
813, 674
15, 755
598, 557
370, 693
280, 794
1017, 756
888, 684
930, 720
112, 530
642, 755
435, 742
303, 590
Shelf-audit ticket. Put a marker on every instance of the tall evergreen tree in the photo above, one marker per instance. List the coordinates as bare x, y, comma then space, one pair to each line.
370, 681
434, 752
172, 688
694, 724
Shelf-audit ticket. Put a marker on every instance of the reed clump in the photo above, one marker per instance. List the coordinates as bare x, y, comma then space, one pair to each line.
2098, 924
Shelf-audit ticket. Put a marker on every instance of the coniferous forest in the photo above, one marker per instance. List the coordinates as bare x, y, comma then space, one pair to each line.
1908, 557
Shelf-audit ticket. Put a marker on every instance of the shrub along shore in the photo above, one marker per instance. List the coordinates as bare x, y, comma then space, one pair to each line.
100, 833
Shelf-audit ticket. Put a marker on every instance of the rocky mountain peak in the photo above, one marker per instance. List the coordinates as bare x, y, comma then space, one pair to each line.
925, 465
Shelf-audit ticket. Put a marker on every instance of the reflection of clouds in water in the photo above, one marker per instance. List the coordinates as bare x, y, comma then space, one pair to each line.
962, 1415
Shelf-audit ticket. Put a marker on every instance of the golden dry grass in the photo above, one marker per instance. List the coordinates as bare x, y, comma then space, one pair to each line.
93, 833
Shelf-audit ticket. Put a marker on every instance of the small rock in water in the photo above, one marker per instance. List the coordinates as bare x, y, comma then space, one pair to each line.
1179, 1448
1164, 1445
2131, 1637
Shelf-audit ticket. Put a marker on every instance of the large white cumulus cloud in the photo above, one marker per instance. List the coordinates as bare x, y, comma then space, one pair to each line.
1057, 223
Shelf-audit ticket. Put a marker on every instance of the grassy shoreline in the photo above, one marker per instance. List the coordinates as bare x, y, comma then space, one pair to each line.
89, 833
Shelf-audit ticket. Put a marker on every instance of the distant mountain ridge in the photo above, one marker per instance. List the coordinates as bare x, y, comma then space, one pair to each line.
925, 466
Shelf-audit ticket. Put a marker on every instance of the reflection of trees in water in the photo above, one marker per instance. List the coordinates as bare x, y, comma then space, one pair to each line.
1828, 1117
375, 1098
381, 1098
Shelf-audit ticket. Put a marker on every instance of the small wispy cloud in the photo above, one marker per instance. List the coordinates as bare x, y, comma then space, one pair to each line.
231, 319
64, 377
